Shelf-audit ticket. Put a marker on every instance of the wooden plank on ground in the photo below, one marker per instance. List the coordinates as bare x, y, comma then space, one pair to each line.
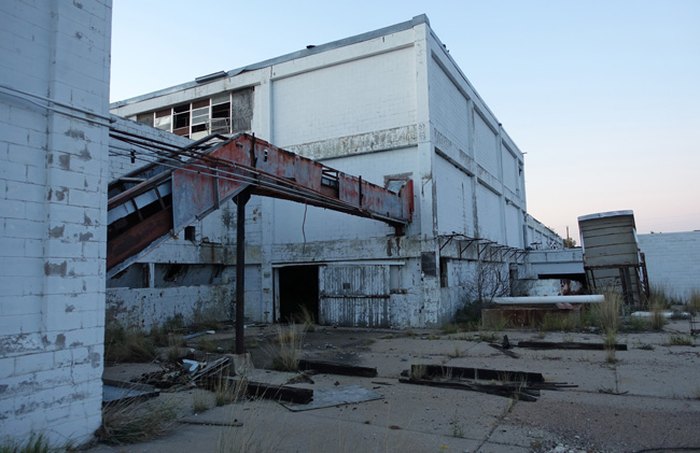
568, 345
337, 368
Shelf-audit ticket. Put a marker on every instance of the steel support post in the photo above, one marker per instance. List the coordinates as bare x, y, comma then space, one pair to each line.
241, 199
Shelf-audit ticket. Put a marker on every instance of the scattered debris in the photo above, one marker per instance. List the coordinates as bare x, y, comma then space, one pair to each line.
213, 370
277, 392
569, 345
121, 391
508, 390
337, 368
192, 365
505, 350
665, 314
301, 378
169, 377
521, 385
483, 374
192, 336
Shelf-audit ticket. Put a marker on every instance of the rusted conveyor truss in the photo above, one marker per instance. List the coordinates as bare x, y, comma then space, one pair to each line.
155, 201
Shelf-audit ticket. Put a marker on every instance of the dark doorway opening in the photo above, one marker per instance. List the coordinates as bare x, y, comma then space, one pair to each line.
298, 288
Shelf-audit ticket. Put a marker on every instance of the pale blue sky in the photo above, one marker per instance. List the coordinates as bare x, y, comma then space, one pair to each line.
603, 96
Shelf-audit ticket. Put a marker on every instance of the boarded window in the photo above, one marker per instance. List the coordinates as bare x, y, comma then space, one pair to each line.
242, 106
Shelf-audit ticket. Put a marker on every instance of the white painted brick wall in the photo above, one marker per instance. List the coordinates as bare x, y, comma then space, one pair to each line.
673, 261
341, 100
52, 214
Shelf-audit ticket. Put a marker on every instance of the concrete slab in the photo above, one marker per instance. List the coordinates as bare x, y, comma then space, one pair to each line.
660, 410
337, 396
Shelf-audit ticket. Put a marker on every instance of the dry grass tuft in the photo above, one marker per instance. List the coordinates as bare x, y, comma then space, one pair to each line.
127, 422
608, 312
694, 302
127, 345
558, 323
200, 402
680, 340
35, 444
287, 349
608, 315
418, 372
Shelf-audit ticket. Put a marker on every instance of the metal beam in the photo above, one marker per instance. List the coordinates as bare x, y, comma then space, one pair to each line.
214, 173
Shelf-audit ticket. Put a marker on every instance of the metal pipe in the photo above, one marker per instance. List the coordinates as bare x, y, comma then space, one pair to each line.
538, 300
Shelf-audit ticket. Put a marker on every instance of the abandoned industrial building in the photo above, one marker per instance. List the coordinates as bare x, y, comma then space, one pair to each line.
389, 106
362, 182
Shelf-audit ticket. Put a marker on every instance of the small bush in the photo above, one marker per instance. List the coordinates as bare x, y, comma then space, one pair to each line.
637, 324
127, 345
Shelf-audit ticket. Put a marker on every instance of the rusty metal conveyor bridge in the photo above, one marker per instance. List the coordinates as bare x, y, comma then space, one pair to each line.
158, 200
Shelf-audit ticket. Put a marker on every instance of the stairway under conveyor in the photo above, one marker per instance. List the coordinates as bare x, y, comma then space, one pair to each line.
159, 200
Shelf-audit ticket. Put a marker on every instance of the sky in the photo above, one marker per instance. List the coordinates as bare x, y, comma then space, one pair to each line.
603, 96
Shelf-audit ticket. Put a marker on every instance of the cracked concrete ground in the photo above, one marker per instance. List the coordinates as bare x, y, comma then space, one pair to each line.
648, 400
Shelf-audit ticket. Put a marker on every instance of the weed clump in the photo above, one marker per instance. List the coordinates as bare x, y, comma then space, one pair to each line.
680, 340
287, 349
35, 444
127, 345
608, 316
127, 422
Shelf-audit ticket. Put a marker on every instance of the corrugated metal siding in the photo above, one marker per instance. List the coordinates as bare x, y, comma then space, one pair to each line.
348, 281
354, 296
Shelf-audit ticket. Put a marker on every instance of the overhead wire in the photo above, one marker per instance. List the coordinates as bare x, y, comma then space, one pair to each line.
278, 184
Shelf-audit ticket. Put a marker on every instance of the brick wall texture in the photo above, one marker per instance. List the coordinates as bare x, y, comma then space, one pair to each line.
53, 180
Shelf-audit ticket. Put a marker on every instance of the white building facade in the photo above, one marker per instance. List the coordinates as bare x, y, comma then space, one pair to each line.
673, 262
389, 105
54, 126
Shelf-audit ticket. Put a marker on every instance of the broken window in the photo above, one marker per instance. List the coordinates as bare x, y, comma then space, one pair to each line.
181, 120
163, 119
221, 114
242, 106
145, 118
224, 113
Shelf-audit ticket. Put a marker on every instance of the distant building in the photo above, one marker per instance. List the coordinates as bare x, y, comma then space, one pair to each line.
388, 105
673, 262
